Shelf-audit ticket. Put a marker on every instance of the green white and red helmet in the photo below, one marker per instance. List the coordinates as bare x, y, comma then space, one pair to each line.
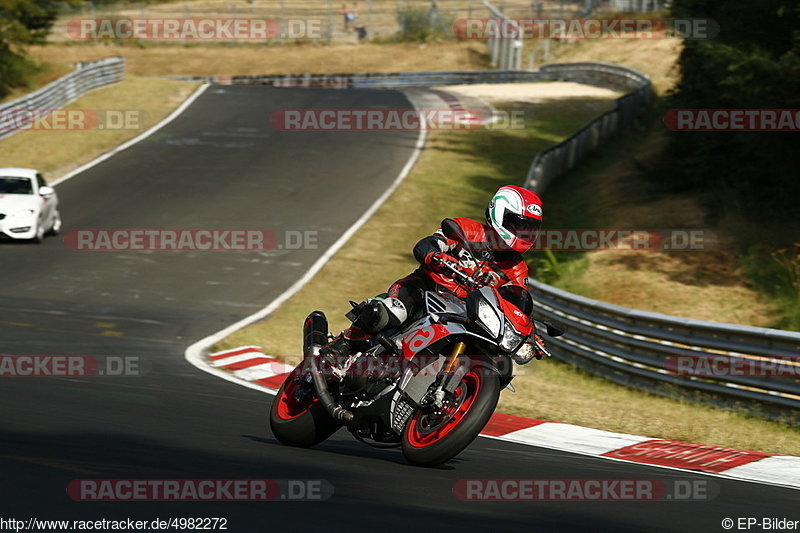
516, 215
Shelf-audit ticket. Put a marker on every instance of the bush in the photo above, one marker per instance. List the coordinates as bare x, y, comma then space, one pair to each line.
418, 24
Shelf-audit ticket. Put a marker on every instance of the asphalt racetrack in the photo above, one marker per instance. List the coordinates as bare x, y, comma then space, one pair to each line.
222, 165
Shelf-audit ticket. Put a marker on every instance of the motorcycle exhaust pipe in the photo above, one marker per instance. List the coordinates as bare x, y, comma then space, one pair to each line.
315, 335
335, 410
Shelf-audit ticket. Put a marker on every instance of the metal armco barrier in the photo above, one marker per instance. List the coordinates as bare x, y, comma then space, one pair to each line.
504, 53
15, 115
376, 80
562, 157
643, 349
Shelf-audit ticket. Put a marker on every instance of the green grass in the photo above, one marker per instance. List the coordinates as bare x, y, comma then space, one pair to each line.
774, 269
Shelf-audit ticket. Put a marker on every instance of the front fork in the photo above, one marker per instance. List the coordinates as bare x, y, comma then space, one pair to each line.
453, 372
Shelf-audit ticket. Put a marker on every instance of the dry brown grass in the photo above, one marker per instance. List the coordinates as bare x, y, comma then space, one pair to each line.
703, 284
210, 60
57, 152
699, 285
656, 58
379, 17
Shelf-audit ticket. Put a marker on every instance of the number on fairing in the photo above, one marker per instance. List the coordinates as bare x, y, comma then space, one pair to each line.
421, 339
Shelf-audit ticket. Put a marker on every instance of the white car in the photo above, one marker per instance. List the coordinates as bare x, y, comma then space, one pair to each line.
28, 207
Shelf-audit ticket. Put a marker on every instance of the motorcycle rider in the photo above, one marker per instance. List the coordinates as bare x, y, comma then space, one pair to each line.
490, 252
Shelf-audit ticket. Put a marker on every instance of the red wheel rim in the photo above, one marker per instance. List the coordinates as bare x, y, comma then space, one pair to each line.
424, 429
287, 405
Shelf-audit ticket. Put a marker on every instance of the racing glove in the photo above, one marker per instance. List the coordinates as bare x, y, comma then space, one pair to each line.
434, 261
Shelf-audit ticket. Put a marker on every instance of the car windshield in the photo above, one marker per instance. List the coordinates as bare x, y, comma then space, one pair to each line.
14, 185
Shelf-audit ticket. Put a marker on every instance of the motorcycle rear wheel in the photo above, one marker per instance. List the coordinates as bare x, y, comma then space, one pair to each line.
296, 424
429, 442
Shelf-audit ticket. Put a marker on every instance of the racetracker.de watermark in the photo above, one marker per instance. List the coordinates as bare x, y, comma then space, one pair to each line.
721, 366
203, 490
732, 119
193, 29
70, 366
189, 240
390, 366
72, 119
582, 490
649, 240
377, 120
587, 240
584, 28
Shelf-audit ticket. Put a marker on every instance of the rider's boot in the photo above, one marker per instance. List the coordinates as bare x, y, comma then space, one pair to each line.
348, 342
334, 355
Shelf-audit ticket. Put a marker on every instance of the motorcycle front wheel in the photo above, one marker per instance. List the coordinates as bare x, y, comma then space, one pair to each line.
431, 438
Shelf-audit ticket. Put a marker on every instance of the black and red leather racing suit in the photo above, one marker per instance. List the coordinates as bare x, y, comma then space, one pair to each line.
479, 252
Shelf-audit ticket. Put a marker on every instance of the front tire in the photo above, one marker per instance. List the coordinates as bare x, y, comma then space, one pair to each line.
427, 441
301, 424
56, 227
39, 236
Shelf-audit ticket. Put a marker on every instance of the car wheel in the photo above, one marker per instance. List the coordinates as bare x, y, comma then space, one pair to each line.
56, 227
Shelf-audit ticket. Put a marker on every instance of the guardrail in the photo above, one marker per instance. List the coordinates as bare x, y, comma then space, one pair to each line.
562, 157
504, 53
375, 80
16, 116
649, 350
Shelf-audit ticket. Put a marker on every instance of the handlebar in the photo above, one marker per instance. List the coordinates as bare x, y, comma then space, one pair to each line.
459, 276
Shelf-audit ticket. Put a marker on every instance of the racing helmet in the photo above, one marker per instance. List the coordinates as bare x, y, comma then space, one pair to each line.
515, 214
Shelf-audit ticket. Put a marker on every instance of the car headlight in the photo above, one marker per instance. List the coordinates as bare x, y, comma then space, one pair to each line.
488, 318
511, 339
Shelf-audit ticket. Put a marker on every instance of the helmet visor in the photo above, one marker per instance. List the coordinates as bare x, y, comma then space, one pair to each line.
525, 228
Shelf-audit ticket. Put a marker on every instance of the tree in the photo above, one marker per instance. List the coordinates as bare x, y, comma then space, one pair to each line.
754, 63
22, 22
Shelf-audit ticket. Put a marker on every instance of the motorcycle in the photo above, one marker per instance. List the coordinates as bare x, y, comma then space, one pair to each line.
429, 388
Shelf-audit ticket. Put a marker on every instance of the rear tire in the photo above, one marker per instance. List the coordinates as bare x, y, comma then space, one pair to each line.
299, 425
430, 448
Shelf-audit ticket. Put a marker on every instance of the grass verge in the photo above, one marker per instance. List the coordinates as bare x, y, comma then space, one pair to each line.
56, 152
244, 59
657, 58
454, 176
611, 189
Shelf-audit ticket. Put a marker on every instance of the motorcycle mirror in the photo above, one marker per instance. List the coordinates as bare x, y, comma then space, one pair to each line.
553, 331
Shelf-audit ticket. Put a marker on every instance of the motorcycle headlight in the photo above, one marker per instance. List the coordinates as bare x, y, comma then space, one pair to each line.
488, 318
511, 339
23, 213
